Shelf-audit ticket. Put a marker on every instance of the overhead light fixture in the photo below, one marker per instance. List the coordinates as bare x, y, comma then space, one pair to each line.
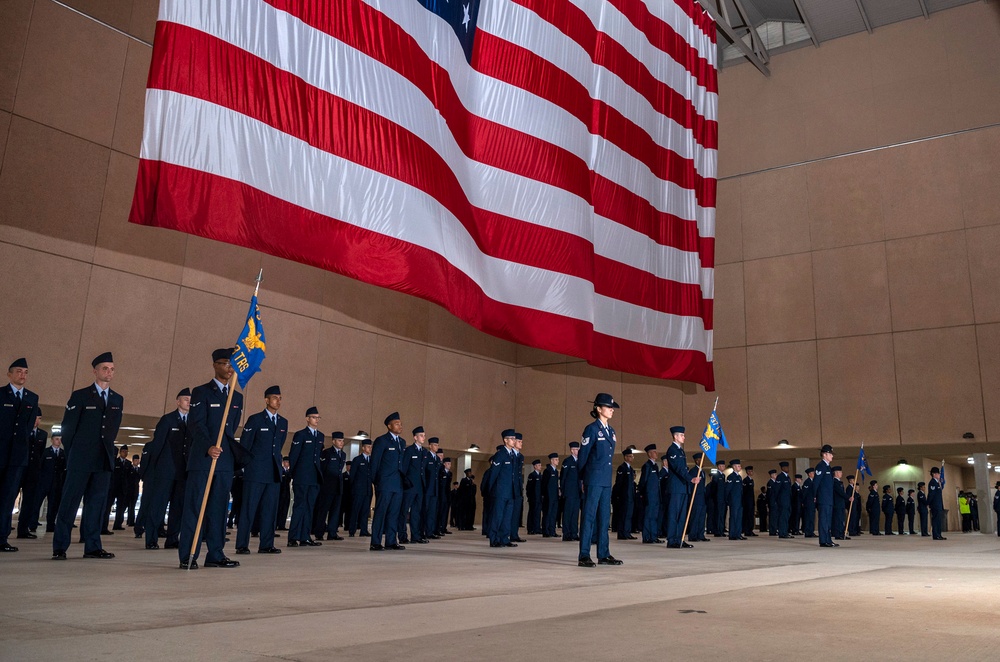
997, 469
971, 461
902, 462
784, 443
473, 448
968, 435
360, 435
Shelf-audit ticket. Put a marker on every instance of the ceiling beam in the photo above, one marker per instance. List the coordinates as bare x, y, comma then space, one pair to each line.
923, 8
755, 52
808, 24
864, 16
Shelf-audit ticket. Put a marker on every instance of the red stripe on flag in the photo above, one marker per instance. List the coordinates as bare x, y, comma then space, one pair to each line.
206, 209
274, 97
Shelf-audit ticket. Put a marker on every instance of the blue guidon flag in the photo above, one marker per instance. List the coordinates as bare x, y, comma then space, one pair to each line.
713, 437
250, 348
545, 170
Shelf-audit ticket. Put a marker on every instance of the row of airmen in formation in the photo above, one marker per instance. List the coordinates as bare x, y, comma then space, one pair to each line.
410, 483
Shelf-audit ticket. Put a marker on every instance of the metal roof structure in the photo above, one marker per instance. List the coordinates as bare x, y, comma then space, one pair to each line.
751, 30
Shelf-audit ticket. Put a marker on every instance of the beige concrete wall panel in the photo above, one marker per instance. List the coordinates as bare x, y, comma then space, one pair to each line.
857, 386
653, 406
979, 163
530, 356
984, 269
143, 21
774, 137
929, 281
446, 330
784, 395
921, 188
541, 407
293, 287
351, 303
132, 100
937, 377
205, 321
403, 315
492, 394
852, 291
51, 189
400, 383
44, 302
731, 390
845, 202
915, 108
729, 314
732, 134
113, 12
146, 251
977, 100
448, 395
4, 127
775, 213
132, 317
839, 125
907, 51
15, 17
779, 299
345, 381
220, 268
729, 223
988, 345
72, 73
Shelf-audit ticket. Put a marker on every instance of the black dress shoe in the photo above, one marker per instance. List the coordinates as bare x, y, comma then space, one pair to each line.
153, 546
940, 538
184, 565
269, 550
495, 544
365, 534
673, 546
27, 536
98, 554
631, 537
292, 543
827, 544
333, 537
222, 563
446, 532
422, 541
395, 548
118, 528
105, 532
404, 540
435, 536
786, 537
586, 562
510, 544
685, 545
171, 545
277, 535
59, 555
608, 560
519, 539
375, 548
242, 550
752, 534
308, 542
7, 547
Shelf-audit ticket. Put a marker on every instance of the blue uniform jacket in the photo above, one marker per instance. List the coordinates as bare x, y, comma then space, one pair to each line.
500, 481
823, 484
414, 466
16, 421
431, 471
649, 483
678, 481
387, 463
597, 451
304, 459
783, 490
734, 489
263, 440
89, 429
166, 455
550, 483
204, 421
934, 496
331, 462
361, 476
569, 479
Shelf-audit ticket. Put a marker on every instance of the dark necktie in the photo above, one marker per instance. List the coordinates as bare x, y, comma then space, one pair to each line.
104, 395
18, 394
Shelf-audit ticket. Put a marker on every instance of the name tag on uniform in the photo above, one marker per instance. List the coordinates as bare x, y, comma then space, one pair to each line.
265, 429
7, 405
214, 404
175, 429
90, 407
392, 449
308, 441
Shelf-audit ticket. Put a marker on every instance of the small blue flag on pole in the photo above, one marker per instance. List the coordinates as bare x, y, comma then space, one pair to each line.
713, 436
863, 462
250, 348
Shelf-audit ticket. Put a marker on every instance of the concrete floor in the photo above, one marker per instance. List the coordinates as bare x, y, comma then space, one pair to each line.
765, 599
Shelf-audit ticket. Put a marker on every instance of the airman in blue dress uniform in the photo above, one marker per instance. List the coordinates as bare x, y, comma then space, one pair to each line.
263, 438
623, 496
569, 484
936, 502
734, 499
414, 466
18, 412
597, 452
387, 479
649, 493
306, 468
361, 491
922, 508
783, 500
534, 490
823, 485
90, 425
696, 530
501, 484
550, 496
679, 485
162, 467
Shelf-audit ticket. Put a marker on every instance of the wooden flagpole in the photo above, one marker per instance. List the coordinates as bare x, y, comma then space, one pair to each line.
850, 504
218, 444
687, 519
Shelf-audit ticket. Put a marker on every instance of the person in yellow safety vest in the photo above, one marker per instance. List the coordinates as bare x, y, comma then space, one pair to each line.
966, 511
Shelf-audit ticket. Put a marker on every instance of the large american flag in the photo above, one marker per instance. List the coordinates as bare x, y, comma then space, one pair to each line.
543, 169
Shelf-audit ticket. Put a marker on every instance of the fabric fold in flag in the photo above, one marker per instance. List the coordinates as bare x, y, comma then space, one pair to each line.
863, 463
251, 346
545, 170
713, 437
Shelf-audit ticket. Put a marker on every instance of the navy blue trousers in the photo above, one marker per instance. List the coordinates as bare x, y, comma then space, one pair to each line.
216, 511
10, 482
412, 503
361, 505
92, 487
302, 511
675, 518
155, 497
259, 500
571, 518
502, 509
594, 524
651, 520
825, 522
386, 519
696, 530
736, 519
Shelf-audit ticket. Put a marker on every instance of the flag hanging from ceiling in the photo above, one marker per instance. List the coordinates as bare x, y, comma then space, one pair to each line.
543, 169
